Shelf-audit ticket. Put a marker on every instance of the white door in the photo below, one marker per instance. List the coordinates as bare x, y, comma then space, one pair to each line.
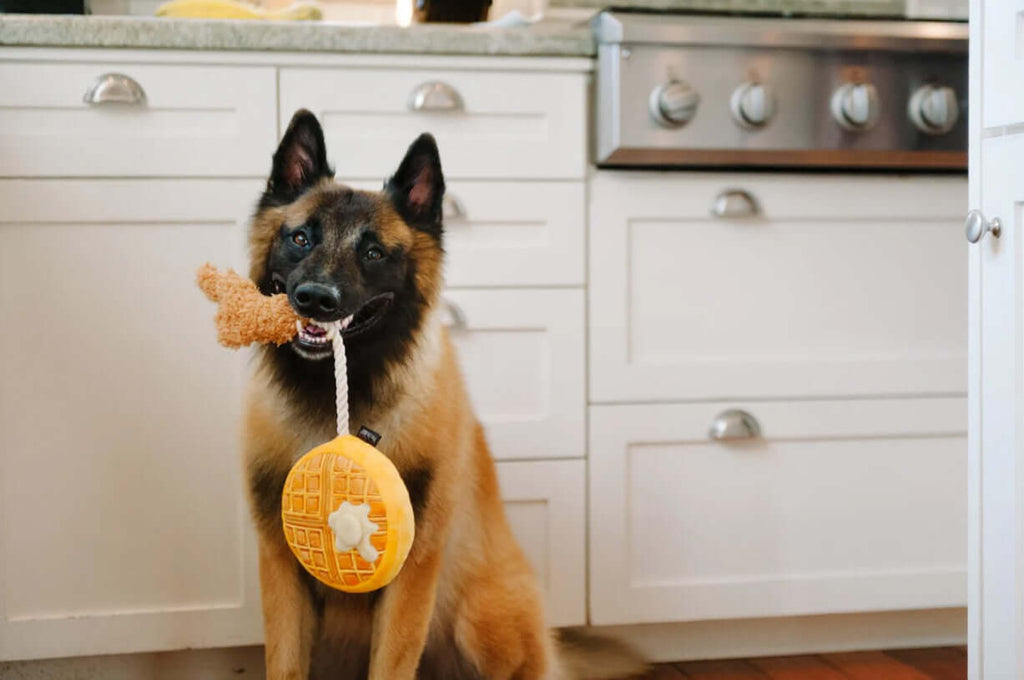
996, 346
123, 524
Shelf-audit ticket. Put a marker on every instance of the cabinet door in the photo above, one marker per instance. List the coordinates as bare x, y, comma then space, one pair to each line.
188, 121
125, 525
544, 504
521, 353
839, 506
854, 287
488, 124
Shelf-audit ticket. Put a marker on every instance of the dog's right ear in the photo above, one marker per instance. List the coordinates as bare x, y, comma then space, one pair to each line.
300, 160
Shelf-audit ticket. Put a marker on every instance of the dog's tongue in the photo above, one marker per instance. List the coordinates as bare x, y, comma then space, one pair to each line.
314, 330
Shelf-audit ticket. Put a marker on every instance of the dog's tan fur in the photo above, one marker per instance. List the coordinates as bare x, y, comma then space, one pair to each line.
466, 582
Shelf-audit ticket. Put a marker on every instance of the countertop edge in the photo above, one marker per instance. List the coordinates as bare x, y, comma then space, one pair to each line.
268, 36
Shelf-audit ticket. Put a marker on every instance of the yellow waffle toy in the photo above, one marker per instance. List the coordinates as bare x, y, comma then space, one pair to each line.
346, 512
347, 515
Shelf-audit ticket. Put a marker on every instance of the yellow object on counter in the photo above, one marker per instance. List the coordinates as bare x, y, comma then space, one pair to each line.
229, 9
347, 515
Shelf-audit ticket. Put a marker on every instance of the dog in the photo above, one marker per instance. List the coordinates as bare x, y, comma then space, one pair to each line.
466, 605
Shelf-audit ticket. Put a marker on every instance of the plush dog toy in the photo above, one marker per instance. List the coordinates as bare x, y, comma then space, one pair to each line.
345, 510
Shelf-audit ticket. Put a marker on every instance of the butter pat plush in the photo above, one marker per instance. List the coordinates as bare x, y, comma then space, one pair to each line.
347, 515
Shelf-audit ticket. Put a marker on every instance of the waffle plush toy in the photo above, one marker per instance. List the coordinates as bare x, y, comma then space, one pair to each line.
346, 512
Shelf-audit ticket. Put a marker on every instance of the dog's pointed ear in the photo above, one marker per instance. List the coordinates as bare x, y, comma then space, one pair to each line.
300, 160
417, 187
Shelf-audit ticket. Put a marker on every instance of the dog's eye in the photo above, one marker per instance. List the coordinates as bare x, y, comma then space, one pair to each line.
300, 239
374, 253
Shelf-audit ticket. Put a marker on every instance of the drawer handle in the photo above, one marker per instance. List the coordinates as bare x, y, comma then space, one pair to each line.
115, 88
456, 318
452, 209
734, 204
734, 424
435, 96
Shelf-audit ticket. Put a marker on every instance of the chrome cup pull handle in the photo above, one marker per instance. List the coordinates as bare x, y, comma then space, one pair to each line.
734, 424
976, 226
456, 318
452, 209
115, 88
735, 204
435, 96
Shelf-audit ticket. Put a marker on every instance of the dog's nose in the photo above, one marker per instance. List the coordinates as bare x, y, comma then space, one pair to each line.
317, 301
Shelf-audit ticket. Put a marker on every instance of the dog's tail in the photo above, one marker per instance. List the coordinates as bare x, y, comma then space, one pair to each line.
585, 656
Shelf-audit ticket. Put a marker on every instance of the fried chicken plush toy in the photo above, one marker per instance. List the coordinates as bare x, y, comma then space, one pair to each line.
346, 512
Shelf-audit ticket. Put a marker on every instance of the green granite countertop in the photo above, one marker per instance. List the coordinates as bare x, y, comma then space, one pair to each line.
546, 39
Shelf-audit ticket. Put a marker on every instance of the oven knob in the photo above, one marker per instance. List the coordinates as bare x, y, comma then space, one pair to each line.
855, 106
673, 104
752, 105
933, 109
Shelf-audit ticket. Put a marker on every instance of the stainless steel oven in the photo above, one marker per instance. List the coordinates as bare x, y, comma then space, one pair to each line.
714, 91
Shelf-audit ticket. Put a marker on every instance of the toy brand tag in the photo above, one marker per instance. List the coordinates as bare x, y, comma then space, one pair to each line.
368, 435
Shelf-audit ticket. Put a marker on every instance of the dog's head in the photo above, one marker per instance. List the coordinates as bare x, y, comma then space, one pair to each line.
370, 259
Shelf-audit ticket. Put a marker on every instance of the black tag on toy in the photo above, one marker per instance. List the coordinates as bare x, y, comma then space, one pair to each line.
368, 435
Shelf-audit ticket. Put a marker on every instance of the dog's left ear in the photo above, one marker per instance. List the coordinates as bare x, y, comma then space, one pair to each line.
417, 187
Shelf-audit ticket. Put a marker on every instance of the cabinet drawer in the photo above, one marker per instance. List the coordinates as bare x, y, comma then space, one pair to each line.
857, 288
521, 353
195, 121
506, 125
117, 405
545, 507
511, 233
840, 506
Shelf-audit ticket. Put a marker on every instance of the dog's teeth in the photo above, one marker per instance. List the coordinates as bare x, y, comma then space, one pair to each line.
298, 326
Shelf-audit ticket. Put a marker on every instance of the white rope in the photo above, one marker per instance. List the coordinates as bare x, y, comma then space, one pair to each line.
340, 378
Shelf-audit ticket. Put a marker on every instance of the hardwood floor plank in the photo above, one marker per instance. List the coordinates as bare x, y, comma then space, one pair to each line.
797, 668
873, 666
720, 670
663, 671
940, 663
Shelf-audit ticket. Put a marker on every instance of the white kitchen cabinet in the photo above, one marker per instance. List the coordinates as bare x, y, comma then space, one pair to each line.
194, 120
849, 286
840, 506
514, 233
488, 124
510, 234
544, 502
521, 353
125, 526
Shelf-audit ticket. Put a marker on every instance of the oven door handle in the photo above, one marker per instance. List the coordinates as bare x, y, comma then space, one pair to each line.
734, 204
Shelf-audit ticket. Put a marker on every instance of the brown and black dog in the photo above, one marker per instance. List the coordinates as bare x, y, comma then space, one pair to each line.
466, 605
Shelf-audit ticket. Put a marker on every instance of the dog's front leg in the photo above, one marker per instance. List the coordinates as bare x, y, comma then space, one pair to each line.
288, 616
402, 619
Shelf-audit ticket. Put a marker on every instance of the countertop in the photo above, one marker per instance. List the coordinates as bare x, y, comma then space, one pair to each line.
875, 8
549, 39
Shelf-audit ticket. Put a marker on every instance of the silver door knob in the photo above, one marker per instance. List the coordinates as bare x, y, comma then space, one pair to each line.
975, 226
435, 96
734, 424
115, 88
735, 204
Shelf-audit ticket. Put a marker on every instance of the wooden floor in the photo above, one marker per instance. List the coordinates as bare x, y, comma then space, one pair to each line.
941, 663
